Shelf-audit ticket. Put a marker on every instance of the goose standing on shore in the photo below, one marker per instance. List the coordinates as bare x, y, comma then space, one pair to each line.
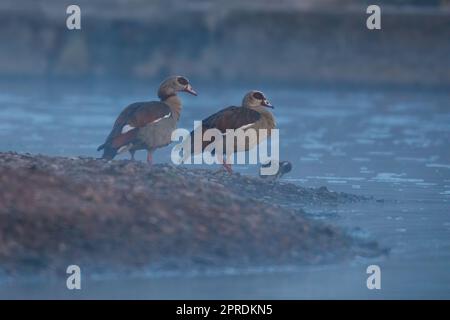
252, 114
147, 125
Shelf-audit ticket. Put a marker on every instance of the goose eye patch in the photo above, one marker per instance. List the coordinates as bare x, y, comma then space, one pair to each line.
182, 81
258, 95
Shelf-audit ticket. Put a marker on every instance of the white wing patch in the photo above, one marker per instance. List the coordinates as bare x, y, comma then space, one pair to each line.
127, 128
124, 148
245, 126
166, 116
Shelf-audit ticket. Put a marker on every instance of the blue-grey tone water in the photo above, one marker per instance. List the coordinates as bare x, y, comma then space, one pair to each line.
390, 144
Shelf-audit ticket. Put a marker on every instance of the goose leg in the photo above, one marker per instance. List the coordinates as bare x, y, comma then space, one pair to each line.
132, 155
225, 165
149, 158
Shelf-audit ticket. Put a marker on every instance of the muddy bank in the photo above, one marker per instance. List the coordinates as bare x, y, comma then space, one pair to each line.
123, 216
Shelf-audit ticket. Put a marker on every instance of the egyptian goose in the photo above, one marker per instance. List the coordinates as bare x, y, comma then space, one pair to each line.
147, 125
252, 114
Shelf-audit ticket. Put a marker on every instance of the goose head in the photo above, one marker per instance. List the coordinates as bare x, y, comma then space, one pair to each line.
174, 84
255, 99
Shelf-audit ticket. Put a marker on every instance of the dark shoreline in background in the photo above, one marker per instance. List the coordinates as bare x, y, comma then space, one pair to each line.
239, 46
71, 84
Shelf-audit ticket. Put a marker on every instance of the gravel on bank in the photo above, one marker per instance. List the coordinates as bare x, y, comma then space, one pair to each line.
127, 216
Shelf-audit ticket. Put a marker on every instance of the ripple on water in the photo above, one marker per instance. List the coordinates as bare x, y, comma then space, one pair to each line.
417, 159
381, 153
394, 178
438, 165
394, 120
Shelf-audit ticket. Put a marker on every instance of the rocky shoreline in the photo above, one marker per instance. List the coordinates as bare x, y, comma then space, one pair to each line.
126, 216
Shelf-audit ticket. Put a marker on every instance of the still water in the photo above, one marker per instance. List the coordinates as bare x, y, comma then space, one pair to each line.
393, 145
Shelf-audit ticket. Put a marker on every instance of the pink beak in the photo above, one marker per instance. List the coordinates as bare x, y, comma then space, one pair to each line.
267, 104
189, 89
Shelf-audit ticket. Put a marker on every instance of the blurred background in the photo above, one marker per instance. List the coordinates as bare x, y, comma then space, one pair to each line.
287, 41
359, 111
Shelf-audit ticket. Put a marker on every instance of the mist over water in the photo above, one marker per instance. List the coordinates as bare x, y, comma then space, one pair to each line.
389, 144
359, 111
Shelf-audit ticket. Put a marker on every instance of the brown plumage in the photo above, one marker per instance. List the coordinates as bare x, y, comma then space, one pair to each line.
147, 125
252, 114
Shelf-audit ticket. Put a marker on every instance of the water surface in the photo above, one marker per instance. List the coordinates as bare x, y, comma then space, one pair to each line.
390, 144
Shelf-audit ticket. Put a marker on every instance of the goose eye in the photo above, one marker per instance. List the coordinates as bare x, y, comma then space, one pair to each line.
182, 81
258, 96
